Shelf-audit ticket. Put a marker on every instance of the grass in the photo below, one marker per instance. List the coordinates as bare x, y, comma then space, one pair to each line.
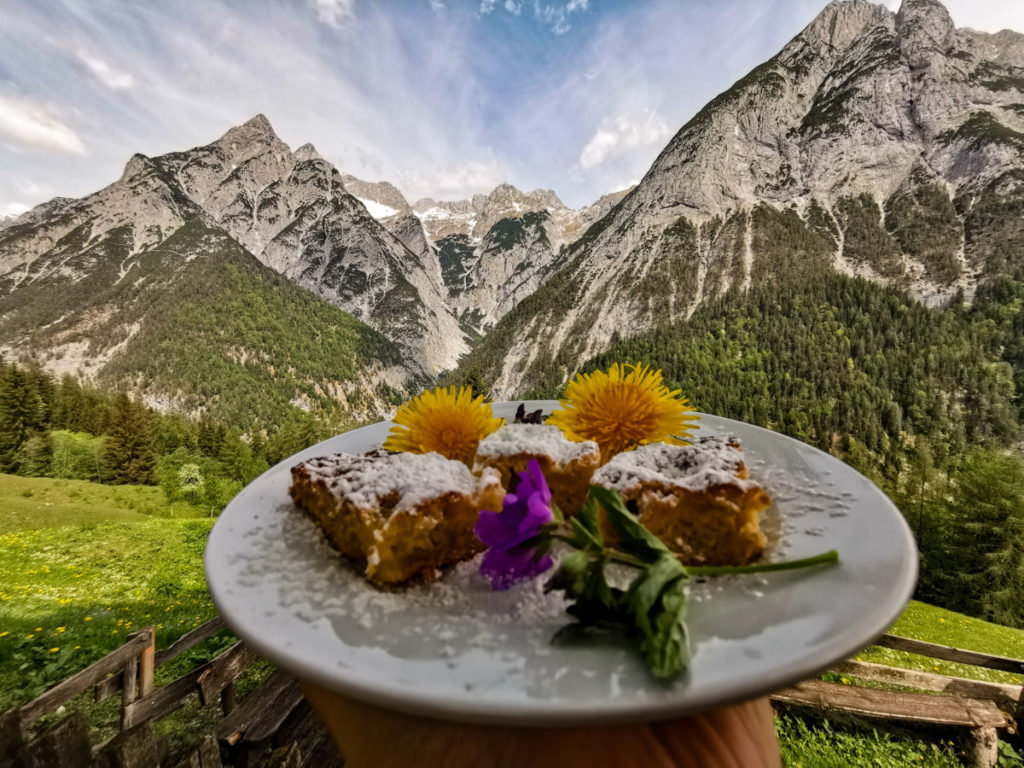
921, 621
42, 502
103, 563
804, 746
83, 565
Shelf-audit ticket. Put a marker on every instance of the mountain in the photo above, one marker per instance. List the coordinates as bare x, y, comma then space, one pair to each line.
496, 249
288, 211
196, 324
474, 218
292, 212
385, 203
485, 280
885, 145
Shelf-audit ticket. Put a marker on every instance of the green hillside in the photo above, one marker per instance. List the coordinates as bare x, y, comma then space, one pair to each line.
842, 363
216, 331
38, 502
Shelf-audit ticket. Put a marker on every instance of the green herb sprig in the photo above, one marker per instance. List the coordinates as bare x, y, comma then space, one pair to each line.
651, 612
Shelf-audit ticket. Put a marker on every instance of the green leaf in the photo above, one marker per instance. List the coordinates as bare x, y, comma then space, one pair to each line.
633, 538
571, 574
586, 527
666, 648
648, 587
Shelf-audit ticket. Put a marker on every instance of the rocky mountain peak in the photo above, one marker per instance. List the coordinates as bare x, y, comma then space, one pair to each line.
841, 23
253, 137
926, 23
137, 164
382, 198
305, 153
259, 123
1003, 47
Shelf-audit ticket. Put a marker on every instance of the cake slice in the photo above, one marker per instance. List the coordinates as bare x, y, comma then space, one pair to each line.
567, 466
698, 498
400, 514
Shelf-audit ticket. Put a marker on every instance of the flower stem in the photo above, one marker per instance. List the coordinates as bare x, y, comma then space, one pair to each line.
621, 557
722, 570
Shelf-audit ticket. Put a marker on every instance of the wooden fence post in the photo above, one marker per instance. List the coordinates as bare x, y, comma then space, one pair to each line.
146, 664
983, 748
129, 693
227, 699
138, 674
12, 740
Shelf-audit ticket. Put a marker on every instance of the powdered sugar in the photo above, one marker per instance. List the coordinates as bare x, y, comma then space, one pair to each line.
537, 439
709, 461
414, 478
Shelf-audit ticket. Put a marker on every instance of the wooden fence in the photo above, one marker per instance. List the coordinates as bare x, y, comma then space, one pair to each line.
271, 717
975, 712
273, 726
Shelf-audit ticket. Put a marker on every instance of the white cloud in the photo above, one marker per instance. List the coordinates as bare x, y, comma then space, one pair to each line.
486, 6
454, 182
620, 134
557, 14
333, 12
437, 5
12, 209
112, 77
31, 124
513, 7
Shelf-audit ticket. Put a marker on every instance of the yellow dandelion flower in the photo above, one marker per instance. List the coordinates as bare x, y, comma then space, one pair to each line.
87, 618
447, 420
59, 630
29, 637
846, 681
54, 650
4, 633
624, 408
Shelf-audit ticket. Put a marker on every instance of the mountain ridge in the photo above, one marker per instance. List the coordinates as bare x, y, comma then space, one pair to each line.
875, 143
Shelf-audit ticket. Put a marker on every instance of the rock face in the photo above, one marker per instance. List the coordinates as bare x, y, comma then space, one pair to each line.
486, 280
884, 144
474, 218
496, 249
288, 209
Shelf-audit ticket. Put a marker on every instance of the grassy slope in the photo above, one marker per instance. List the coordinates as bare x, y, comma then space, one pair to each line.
225, 333
29, 502
102, 562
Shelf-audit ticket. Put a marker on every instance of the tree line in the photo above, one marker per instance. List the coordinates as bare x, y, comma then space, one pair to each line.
926, 402
63, 428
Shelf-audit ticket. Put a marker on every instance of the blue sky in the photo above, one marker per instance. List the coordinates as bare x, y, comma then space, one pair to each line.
442, 97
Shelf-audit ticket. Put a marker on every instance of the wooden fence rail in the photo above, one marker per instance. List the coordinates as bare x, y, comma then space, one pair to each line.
975, 711
274, 716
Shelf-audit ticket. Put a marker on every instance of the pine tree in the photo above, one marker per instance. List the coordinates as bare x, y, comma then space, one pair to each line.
237, 459
211, 436
985, 556
128, 452
22, 413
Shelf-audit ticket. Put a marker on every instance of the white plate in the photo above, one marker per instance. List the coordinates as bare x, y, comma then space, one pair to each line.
456, 650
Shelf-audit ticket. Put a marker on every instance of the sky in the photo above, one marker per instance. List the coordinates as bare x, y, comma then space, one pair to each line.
444, 98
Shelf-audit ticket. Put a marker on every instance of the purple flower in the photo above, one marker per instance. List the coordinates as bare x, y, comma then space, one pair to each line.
508, 560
